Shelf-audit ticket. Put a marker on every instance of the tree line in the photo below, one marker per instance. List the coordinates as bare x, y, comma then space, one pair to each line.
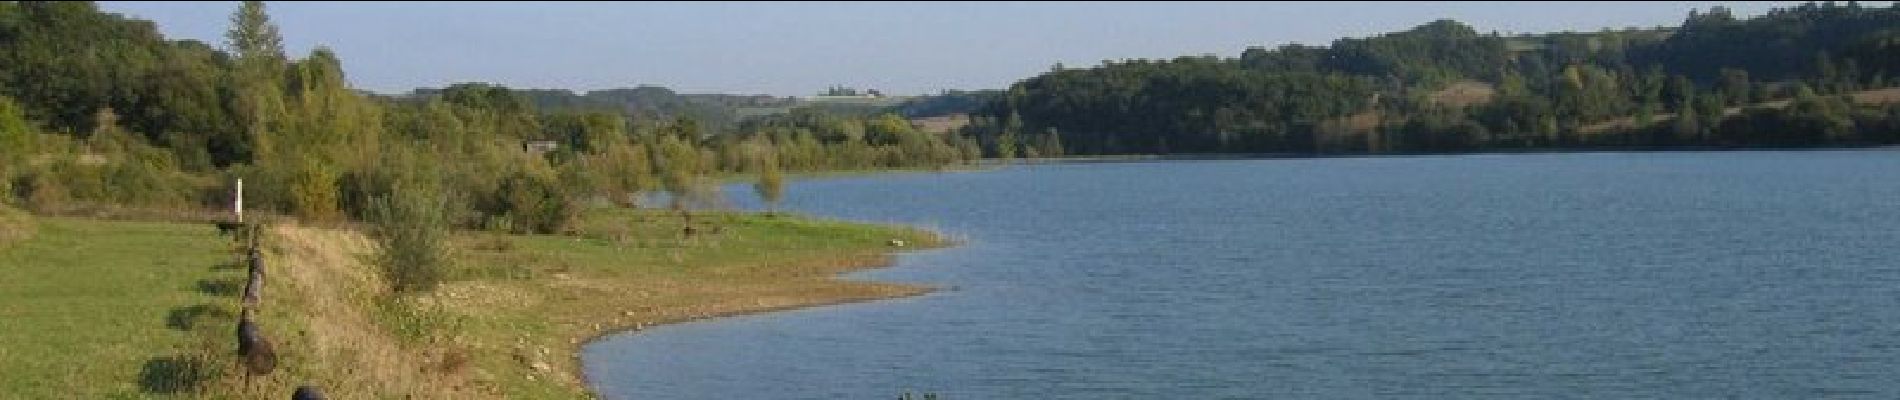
1796, 76
101, 111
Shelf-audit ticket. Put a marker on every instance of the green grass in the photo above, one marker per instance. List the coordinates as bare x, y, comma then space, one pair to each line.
631, 269
125, 309
96, 309
15, 226
635, 243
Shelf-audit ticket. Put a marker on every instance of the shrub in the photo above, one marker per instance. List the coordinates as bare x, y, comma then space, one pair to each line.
42, 189
356, 190
313, 193
527, 203
411, 226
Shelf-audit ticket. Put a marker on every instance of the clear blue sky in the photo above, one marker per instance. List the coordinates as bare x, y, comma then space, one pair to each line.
800, 48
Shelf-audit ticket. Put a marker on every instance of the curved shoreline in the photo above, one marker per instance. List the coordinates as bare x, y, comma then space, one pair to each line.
576, 345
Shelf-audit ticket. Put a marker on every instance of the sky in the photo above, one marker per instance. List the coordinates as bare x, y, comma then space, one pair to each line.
797, 49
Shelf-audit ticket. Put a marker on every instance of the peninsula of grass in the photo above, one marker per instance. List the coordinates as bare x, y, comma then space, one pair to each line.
124, 309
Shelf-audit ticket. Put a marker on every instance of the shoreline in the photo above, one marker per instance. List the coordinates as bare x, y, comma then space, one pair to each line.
497, 329
577, 345
529, 335
1113, 158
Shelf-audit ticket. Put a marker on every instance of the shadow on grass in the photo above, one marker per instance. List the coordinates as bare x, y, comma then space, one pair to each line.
174, 374
188, 318
228, 287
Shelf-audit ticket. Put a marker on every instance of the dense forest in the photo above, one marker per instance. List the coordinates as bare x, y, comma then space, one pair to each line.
100, 113
1802, 76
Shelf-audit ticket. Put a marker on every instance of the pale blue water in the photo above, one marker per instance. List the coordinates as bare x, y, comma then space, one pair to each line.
1603, 275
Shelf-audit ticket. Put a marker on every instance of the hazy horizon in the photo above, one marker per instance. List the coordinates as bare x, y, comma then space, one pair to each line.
796, 49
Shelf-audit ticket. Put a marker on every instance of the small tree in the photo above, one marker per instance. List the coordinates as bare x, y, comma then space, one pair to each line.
313, 192
1051, 144
1687, 125
411, 225
771, 185
1006, 145
628, 172
15, 144
678, 165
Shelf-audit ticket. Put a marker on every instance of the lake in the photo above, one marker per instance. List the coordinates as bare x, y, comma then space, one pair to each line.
1762, 274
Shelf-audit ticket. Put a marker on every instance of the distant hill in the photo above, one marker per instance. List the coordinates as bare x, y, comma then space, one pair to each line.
721, 112
1444, 86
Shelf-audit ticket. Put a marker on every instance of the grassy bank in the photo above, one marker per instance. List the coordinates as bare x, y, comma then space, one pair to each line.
115, 309
529, 302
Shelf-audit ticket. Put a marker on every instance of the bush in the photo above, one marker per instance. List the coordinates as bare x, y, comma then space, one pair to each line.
42, 189
527, 203
313, 193
411, 226
357, 189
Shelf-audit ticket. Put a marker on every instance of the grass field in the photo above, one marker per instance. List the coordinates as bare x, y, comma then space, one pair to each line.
116, 309
92, 309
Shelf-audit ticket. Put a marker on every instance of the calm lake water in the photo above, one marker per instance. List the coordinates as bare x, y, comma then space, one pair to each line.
1598, 275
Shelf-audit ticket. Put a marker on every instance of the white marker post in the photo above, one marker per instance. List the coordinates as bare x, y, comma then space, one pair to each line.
237, 204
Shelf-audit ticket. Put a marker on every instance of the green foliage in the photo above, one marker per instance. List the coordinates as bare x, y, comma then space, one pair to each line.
410, 225
1049, 144
887, 129
257, 79
314, 194
947, 103
111, 167
357, 189
15, 144
628, 171
252, 35
1687, 125
41, 188
305, 140
717, 112
65, 60
105, 111
485, 97
1199, 104
1010, 139
530, 203
13, 130
1391, 93
771, 184
678, 164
